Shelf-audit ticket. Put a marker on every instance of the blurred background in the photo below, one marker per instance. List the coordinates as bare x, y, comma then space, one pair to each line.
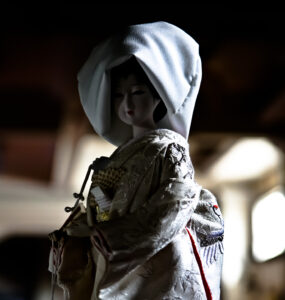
236, 141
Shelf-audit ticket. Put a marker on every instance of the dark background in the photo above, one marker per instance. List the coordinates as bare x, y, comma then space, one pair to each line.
242, 54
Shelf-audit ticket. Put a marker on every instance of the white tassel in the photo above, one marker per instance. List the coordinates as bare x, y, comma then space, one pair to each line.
210, 253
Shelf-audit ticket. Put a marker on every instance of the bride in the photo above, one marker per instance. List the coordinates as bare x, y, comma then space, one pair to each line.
148, 230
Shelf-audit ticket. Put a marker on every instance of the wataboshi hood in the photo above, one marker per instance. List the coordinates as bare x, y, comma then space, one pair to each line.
169, 57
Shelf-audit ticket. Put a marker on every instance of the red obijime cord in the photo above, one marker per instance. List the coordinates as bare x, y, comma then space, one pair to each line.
198, 259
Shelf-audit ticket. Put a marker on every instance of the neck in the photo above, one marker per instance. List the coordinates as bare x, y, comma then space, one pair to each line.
137, 131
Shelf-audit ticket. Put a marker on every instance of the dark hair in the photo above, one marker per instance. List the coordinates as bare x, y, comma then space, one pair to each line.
131, 66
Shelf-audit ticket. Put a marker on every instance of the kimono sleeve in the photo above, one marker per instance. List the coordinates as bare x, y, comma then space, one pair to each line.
130, 240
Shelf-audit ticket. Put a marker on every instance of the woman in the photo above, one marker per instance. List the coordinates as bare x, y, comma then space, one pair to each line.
148, 230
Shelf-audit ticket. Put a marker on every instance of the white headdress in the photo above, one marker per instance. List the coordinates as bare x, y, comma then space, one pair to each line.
169, 57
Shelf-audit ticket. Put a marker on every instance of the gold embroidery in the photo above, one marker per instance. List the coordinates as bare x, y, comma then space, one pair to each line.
107, 180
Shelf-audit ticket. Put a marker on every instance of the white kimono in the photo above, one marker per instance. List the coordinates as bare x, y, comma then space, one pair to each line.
144, 251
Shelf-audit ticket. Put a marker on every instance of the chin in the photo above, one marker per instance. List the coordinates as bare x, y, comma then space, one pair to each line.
127, 121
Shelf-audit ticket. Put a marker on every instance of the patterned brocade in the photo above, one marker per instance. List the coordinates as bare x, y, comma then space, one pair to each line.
142, 250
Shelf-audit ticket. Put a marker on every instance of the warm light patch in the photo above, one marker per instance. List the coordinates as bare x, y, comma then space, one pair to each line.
88, 149
246, 159
268, 223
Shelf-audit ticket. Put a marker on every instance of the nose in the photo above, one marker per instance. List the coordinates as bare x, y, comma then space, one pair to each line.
128, 101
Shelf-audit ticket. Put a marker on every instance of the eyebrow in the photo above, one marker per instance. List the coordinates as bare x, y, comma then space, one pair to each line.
132, 85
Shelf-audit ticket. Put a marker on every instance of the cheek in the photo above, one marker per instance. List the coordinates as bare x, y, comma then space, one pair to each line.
146, 105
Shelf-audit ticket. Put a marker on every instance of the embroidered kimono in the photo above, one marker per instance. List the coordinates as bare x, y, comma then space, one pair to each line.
144, 251
157, 234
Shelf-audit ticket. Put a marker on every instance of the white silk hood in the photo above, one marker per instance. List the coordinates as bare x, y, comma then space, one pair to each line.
169, 57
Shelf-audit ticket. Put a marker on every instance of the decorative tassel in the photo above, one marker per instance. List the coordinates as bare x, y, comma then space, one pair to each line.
210, 253
54, 259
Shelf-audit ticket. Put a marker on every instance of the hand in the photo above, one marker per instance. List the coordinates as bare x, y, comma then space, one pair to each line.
79, 228
100, 163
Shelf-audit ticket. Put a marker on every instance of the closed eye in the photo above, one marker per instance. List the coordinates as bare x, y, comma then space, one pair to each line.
138, 92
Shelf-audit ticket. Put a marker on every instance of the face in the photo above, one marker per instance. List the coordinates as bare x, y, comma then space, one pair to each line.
134, 103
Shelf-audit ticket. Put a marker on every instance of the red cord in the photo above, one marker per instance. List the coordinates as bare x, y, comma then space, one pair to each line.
198, 259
